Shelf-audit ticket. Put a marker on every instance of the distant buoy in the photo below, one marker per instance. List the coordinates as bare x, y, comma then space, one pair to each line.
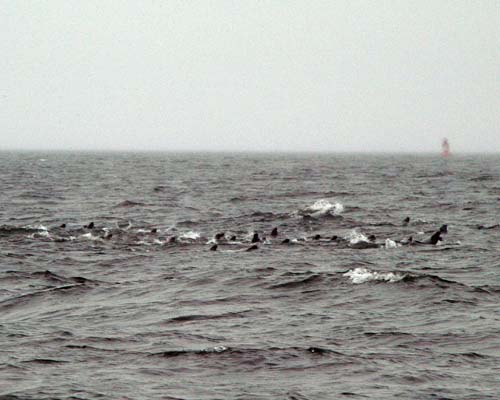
445, 148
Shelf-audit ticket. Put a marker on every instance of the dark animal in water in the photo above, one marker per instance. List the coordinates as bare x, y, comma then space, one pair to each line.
488, 227
436, 238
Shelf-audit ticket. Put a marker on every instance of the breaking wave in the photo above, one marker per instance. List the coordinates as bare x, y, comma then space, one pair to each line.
322, 208
363, 275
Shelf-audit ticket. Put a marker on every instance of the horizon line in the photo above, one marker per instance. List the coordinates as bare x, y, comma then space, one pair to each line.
225, 151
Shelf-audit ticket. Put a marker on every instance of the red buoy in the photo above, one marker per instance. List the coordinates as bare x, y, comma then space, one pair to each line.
445, 148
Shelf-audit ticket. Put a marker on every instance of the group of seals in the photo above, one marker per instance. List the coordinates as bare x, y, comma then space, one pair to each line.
370, 243
221, 239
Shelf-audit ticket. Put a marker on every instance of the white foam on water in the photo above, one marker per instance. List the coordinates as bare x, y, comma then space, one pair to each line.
89, 236
39, 227
171, 227
215, 349
124, 227
323, 207
363, 275
355, 237
191, 235
40, 234
391, 244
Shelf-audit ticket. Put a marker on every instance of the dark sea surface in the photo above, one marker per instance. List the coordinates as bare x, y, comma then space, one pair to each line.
121, 312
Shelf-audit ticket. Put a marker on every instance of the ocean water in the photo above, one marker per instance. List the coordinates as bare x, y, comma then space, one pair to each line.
139, 307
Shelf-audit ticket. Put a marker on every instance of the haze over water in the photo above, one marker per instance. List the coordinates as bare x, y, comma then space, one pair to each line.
250, 76
123, 311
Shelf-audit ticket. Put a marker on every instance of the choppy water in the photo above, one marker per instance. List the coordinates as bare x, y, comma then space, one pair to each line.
120, 312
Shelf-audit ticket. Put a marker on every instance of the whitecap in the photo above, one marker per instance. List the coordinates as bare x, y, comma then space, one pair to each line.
191, 235
355, 237
171, 227
40, 234
322, 208
39, 227
391, 244
90, 236
215, 349
363, 275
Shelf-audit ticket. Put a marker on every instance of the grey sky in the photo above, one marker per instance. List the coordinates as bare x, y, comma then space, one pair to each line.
250, 75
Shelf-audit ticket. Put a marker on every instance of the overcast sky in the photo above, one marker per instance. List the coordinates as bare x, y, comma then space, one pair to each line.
250, 75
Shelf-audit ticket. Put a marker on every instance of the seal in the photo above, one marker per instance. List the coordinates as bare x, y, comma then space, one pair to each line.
255, 238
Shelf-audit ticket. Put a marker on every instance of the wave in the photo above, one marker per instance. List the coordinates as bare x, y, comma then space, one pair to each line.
320, 351
311, 279
175, 353
40, 234
484, 177
191, 235
391, 244
45, 361
322, 208
263, 216
129, 203
47, 282
201, 317
21, 299
355, 237
363, 275
7, 230
187, 223
89, 236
